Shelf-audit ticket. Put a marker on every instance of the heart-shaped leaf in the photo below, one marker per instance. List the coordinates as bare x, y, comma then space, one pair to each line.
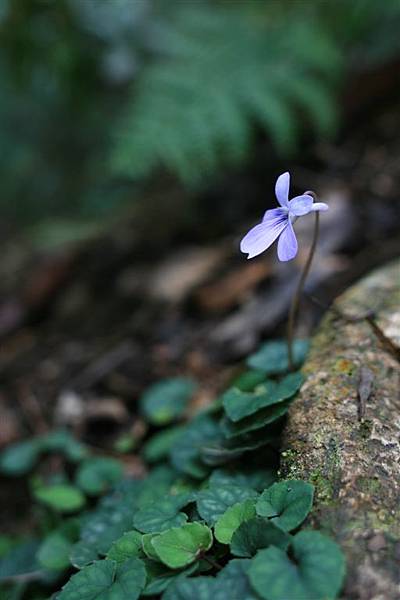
272, 357
162, 515
181, 546
248, 380
239, 405
127, 546
257, 479
60, 497
231, 582
191, 588
62, 441
166, 400
107, 523
83, 554
106, 579
232, 518
160, 444
19, 458
255, 534
185, 454
260, 419
213, 502
159, 577
54, 552
316, 571
287, 503
96, 475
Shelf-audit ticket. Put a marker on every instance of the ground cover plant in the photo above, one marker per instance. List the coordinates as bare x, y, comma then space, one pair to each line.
212, 518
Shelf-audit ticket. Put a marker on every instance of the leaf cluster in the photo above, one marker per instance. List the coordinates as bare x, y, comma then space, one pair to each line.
209, 520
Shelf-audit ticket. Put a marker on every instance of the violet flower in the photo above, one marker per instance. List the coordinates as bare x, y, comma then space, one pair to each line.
278, 223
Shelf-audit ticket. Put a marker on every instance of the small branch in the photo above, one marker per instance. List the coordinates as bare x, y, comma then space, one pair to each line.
370, 318
385, 341
299, 290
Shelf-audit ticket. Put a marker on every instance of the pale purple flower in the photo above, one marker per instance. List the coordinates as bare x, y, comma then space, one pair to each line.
278, 223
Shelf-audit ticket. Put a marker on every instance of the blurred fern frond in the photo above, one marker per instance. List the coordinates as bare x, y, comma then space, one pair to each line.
220, 75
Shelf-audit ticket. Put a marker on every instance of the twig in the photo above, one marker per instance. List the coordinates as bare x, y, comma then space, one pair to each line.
370, 317
385, 341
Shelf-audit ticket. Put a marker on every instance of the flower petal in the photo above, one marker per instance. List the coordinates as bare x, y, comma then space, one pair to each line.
287, 245
275, 213
300, 205
282, 189
320, 206
260, 237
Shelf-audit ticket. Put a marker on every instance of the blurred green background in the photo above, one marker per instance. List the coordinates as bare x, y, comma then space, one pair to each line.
102, 98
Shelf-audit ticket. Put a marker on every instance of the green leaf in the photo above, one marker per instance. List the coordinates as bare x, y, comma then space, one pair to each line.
181, 546
213, 502
105, 579
162, 514
60, 497
82, 554
160, 444
316, 571
191, 588
232, 518
62, 441
233, 582
20, 458
54, 552
185, 454
148, 547
220, 454
111, 519
127, 546
238, 404
158, 484
260, 419
166, 400
287, 503
159, 577
272, 357
248, 380
258, 479
20, 560
96, 475
255, 534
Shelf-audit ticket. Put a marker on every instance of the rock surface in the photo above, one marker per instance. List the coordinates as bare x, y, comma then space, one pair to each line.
343, 435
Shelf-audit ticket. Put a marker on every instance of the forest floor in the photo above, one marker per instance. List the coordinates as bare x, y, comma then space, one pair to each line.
85, 329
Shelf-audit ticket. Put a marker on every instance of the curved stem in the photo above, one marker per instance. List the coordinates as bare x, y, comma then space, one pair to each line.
299, 290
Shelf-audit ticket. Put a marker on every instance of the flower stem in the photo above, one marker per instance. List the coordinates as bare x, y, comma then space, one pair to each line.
294, 307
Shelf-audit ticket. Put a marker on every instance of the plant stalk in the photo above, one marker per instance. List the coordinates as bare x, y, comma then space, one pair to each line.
294, 307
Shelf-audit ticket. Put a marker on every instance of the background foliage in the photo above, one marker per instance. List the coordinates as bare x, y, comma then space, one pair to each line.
97, 96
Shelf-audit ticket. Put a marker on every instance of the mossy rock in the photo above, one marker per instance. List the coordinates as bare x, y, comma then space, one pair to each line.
351, 451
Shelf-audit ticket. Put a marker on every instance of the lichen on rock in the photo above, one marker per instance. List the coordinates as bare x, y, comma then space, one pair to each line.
353, 460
